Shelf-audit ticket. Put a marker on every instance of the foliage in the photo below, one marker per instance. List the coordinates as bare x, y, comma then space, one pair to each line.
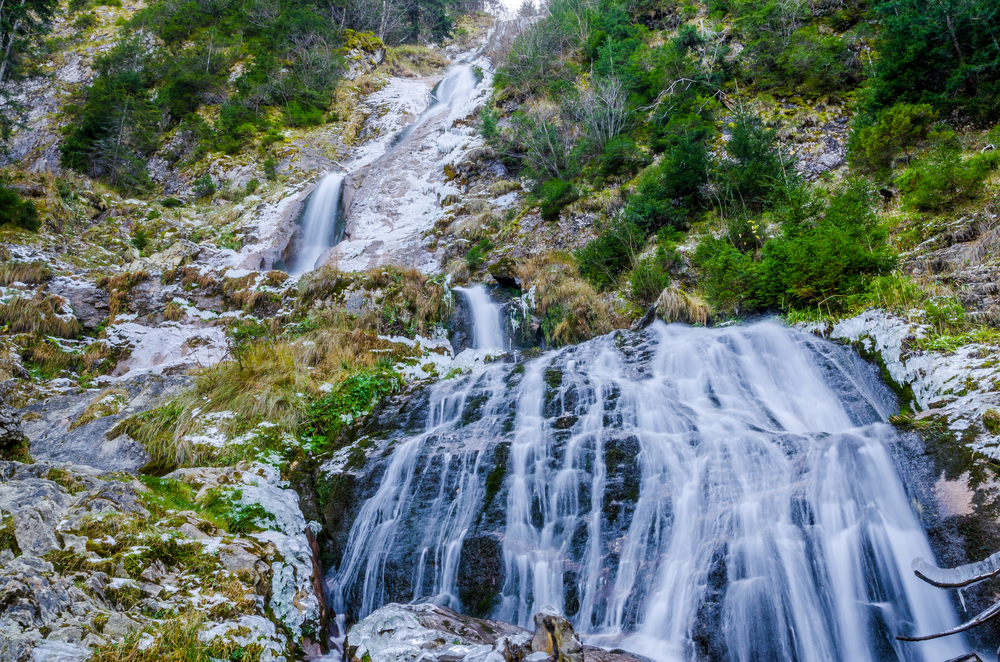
943, 179
16, 211
474, 258
22, 27
896, 129
353, 396
825, 253
755, 164
652, 272
670, 192
614, 251
938, 52
553, 196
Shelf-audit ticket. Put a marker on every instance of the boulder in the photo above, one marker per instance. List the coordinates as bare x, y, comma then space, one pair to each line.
555, 637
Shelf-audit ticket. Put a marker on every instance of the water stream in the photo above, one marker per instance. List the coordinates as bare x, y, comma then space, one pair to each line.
487, 329
457, 86
684, 493
322, 224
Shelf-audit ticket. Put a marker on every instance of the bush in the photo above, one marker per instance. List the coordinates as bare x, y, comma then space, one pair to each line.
300, 114
897, 129
203, 187
16, 211
171, 203
756, 164
85, 21
727, 276
252, 186
477, 254
621, 157
944, 179
670, 191
270, 166
614, 251
553, 196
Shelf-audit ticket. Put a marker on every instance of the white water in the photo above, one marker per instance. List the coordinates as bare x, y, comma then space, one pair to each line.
454, 88
487, 330
321, 224
767, 522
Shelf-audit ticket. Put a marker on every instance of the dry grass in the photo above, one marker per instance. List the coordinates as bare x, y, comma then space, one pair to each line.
677, 305
413, 61
38, 316
173, 312
30, 273
570, 308
118, 287
503, 186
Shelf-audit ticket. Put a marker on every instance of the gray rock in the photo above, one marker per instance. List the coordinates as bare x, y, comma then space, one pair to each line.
119, 625
13, 442
114, 496
90, 303
34, 536
71, 635
89, 444
191, 531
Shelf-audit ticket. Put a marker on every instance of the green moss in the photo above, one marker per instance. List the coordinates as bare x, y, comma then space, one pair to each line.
7, 539
226, 506
495, 478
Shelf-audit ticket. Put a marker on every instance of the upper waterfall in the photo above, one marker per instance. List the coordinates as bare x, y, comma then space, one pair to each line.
684, 493
322, 225
487, 330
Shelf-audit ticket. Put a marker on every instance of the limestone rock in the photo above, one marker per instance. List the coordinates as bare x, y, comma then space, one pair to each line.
555, 636
34, 536
119, 625
91, 304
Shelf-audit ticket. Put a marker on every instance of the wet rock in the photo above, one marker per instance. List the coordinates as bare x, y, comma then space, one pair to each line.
555, 636
405, 633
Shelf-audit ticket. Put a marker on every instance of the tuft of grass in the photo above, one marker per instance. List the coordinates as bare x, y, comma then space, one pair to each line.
176, 640
675, 304
570, 308
29, 273
118, 287
38, 316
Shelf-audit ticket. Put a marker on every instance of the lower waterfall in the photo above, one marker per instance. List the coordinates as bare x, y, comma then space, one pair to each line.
322, 224
683, 493
487, 326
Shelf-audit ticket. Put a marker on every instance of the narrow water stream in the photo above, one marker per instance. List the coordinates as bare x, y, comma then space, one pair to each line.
683, 493
322, 224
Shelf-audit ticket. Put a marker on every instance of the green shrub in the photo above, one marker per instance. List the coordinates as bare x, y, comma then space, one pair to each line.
85, 21
553, 196
613, 252
140, 238
622, 157
203, 187
300, 114
895, 130
252, 186
477, 254
16, 211
727, 276
353, 396
671, 190
756, 164
944, 179
171, 203
270, 166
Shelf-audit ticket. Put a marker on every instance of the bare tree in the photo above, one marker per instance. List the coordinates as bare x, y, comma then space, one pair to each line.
604, 110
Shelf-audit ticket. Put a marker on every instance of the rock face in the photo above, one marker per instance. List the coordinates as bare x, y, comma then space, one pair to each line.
86, 559
13, 441
405, 633
75, 428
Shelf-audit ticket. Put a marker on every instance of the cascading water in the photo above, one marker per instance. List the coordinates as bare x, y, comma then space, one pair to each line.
456, 87
487, 332
720, 494
322, 224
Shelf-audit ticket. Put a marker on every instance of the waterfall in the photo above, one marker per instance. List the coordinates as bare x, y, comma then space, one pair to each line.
487, 332
683, 493
322, 225
455, 88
